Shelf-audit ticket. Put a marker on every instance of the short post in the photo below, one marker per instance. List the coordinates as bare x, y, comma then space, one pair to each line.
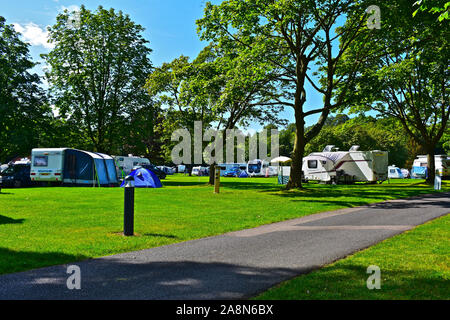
217, 180
128, 218
437, 181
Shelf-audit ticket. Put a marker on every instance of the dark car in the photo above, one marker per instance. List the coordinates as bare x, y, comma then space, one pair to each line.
16, 175
159, 173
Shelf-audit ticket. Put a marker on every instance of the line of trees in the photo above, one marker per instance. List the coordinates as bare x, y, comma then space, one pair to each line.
262, 57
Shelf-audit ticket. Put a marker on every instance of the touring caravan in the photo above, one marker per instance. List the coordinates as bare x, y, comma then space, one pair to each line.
395, 172
125, 164
441, 162
334, 166
72, 167
261, 168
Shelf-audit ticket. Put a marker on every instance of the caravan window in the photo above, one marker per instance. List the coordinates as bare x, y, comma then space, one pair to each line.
40, 161
392, 170
312, 164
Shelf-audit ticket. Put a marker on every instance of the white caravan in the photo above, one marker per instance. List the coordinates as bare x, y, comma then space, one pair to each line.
261, 168
126, 164
441, 162
47, 164
334, 166
395, 172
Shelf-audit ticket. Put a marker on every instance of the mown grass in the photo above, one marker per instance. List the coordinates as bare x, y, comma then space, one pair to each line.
47, 226
414, 265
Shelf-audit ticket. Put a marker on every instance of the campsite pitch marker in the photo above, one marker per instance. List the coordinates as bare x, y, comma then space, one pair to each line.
217, 180
128, 216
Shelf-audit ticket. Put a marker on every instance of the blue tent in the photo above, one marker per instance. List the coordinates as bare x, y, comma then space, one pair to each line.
243, 174
144, 178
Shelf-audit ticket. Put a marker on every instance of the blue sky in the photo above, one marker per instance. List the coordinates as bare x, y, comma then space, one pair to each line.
170, 28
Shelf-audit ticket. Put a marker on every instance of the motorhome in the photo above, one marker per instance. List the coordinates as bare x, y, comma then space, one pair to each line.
125, 164
261, 168
441, 162
334, 166
72, 167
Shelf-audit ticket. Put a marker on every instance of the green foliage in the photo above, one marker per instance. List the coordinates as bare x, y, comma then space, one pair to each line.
406, 76
439, 7
96, 73
24, 113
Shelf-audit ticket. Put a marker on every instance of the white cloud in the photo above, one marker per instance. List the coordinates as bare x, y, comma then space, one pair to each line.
70, 8
34, 35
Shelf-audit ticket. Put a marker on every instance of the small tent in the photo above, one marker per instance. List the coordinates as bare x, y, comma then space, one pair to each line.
243, 174
144, 178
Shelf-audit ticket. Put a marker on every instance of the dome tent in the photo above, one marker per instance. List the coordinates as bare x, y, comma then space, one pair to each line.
144, 178
243, 174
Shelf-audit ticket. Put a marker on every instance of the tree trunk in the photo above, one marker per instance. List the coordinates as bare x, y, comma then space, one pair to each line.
431, 164
295, 179
211, 174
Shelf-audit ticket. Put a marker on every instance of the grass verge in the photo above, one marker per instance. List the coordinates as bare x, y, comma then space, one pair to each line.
413, 265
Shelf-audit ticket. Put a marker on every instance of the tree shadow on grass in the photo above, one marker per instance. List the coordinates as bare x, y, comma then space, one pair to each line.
184, 183
8, 220
158, 235
16, 261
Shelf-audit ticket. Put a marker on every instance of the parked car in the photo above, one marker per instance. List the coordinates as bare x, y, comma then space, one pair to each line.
159, 173
232, 172
17, 176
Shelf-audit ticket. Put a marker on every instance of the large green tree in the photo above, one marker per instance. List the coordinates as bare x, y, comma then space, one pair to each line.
24, 113
97, 72
407, 75
304, 40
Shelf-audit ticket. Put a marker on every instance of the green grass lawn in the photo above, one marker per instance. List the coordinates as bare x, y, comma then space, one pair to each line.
413, 265
47, 226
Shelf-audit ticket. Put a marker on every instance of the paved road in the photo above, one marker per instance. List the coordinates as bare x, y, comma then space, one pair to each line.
231, 266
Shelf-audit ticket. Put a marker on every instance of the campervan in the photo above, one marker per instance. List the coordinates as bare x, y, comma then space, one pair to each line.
334, 166
441, 162
395, 172
125, 164
72, 167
